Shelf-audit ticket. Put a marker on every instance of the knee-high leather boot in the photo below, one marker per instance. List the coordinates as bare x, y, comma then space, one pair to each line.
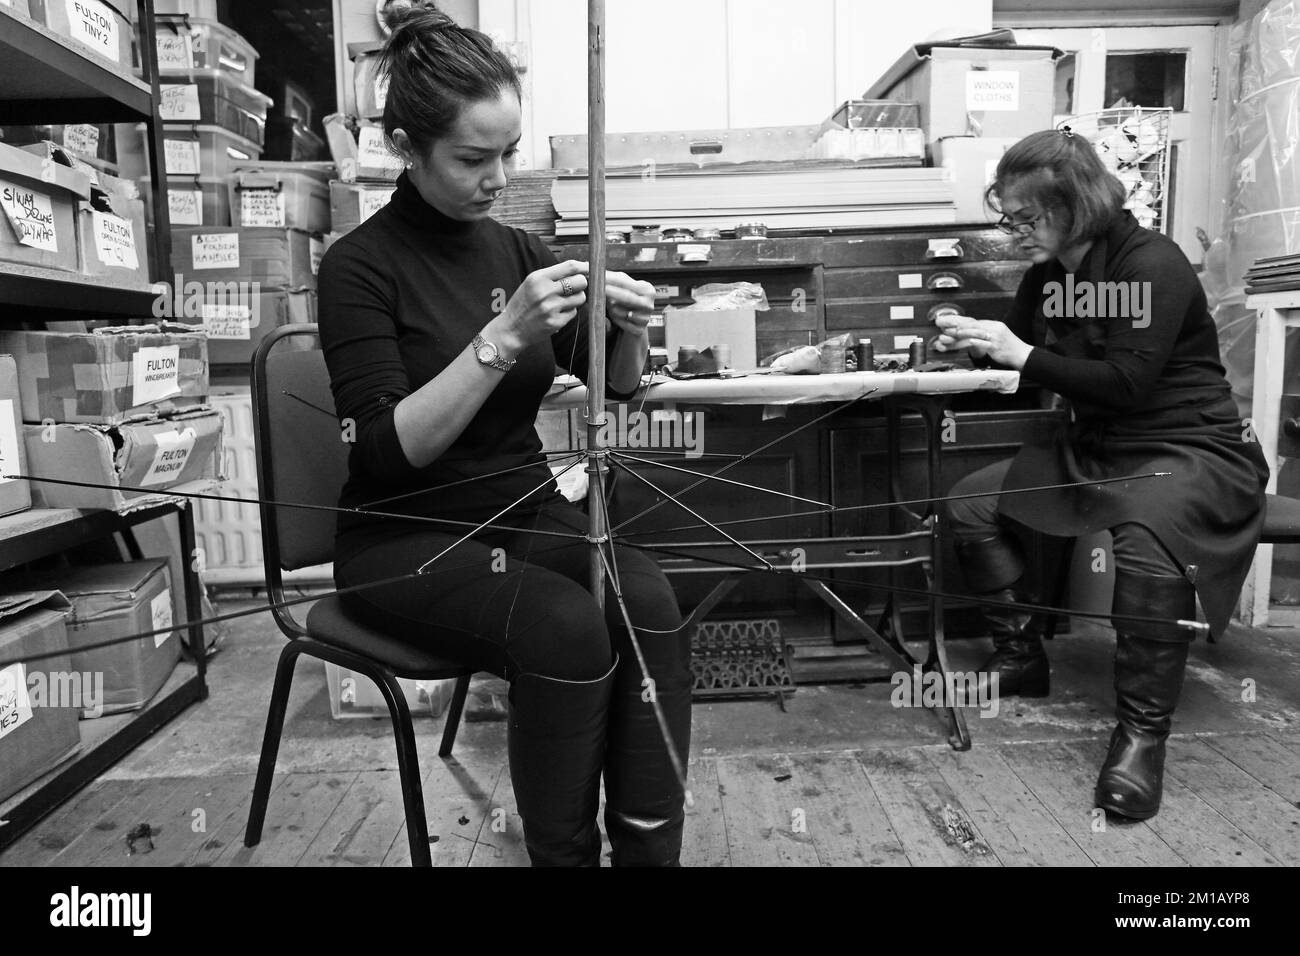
1150, 661
994, 568
644, 800
556, 744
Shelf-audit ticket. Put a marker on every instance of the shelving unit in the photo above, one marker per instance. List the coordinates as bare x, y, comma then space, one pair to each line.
46, 78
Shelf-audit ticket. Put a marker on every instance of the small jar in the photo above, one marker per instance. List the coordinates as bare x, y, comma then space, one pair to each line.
614, 237
707, 235
645, 233
722, 354
831, 359
751, 230
678, 235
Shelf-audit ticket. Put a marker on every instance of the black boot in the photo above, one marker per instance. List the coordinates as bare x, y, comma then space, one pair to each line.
556, 744
1150, 661
644, 800
993, 568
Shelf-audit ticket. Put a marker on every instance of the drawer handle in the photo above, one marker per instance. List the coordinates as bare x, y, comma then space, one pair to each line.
942, 309
944, 249
701, 147
944, 280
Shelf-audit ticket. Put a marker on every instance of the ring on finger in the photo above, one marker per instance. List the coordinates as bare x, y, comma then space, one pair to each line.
565, 287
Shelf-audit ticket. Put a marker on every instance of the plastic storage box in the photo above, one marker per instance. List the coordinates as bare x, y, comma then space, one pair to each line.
209, 152
289, 140
860, 114
212, 98
186, 43
369, 86
281, 194
197, 201
354, 695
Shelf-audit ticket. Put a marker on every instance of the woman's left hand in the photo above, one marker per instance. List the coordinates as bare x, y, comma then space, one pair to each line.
985, 338
628, 302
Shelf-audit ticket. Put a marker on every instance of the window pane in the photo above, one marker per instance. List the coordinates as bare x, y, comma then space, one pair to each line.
1154, 79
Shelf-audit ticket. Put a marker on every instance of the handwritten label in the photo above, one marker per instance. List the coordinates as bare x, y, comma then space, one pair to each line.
174, 449
228, 321
15, 708
910, 280
82, 139
261, 207
180, 101
992, 90
160, 610
31, 214
115, 241
155, 374
186, 206
317, 253
373, 200
8, 441
175, 51
373, 151
181, 157
95, 25
902, 312
381, 92
215, 250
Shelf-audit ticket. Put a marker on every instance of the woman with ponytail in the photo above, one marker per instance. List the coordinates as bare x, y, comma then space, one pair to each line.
442, 329
1112, 318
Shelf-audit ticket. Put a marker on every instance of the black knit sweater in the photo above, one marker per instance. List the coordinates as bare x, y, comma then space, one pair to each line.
400, 297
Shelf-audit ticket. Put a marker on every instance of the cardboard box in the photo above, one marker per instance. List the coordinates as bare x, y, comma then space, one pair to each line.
1005, 91
15, 493
351, 204
973, 162
112, 237
111, 601
36, 735
38, 210
111, 375
235, 331
273, 258
100, 28
704, 328
130, 465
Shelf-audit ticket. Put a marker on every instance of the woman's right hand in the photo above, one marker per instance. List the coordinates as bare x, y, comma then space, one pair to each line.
540, 307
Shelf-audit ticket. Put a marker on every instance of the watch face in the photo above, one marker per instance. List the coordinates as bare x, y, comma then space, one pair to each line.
487, 353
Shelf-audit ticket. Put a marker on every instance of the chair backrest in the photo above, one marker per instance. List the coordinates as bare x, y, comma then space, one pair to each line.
302, 458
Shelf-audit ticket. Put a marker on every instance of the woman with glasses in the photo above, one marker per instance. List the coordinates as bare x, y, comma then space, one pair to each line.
1112, 318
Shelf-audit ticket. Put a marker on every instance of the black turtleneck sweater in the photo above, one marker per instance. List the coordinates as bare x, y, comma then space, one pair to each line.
400, 297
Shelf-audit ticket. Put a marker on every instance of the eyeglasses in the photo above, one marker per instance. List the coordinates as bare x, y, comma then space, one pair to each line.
1013, 228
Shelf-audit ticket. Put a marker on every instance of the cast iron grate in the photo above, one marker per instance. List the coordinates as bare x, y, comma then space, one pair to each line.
740, 659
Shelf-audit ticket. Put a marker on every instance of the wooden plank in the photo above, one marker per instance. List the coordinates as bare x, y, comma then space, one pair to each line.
1265, 817
104, 841
181, 823
458, 798
1266, 758
758, 796
1064, 781
363, 827
52, 836
501, 839
227, 832
297, 811
932, 825
1014, 822
704, 837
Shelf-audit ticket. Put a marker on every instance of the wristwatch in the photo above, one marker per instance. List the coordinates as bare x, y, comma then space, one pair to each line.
489, 355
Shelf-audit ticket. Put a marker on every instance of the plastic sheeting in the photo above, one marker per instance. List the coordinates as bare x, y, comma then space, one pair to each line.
1262, 157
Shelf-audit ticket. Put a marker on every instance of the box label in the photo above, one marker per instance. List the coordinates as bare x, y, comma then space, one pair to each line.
181, 157
228, 322
186, 207
15, 708
115, 241
992, 90
215, 250
175, 50
317, 253
373, 200
155, 374
8, 441
169, 460
373, 151
261, 207
180, 101
82, 139
160, 609
910, 280
31, 214
903, 312
94, 25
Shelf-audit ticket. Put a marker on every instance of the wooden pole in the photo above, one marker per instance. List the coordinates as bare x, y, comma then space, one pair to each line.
596, 466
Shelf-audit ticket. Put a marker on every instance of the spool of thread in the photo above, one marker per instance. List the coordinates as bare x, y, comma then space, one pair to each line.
865, 353
686, 354
722, 354
916, 353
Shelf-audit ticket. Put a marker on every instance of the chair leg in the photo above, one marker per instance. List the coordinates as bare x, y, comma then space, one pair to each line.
271, 742
408, 771
454, 712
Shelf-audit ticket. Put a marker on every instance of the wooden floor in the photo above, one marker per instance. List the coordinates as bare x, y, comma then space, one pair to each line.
839, 778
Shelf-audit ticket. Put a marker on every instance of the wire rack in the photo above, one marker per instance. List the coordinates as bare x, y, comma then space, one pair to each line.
1133, 143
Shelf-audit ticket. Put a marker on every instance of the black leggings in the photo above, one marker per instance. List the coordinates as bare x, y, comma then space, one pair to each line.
514, 602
